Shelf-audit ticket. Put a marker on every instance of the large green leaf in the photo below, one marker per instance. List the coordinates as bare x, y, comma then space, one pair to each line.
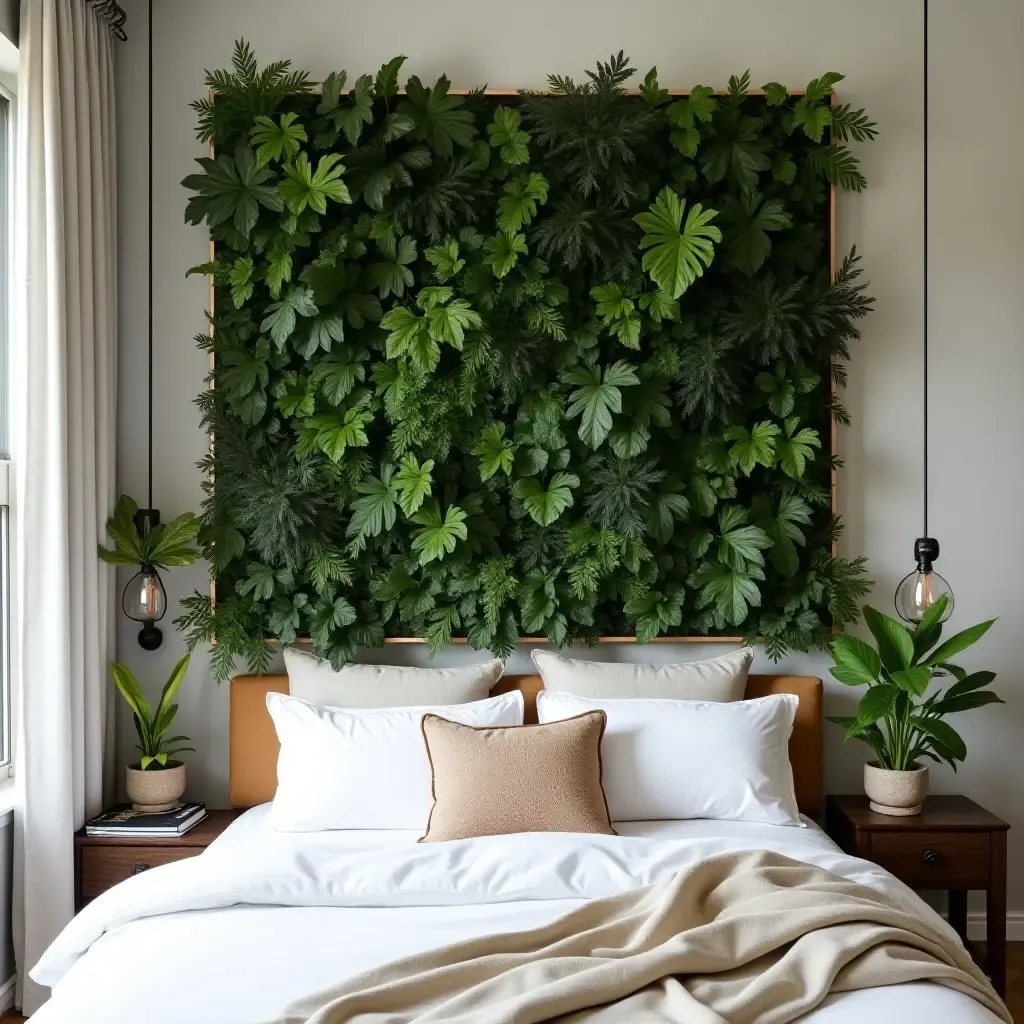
753, 447
302, 186
740, 545
857, 663
969, 683
518, 206
503, 251
508, 138
442, 121
747, 220
277, 140
413, 481
281, 317
914, 680
795, 449
546, 504
676, 258
377, 509
496, 452
232, 188
875, 704
597, 397
438, 534
949, 741
965, 702
730, 592
895, 643
959, 642
391, 275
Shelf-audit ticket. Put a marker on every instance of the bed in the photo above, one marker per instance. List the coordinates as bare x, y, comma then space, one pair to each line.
263, 918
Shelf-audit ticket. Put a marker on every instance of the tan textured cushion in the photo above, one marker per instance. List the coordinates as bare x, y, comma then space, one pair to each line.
720, 679
485, 779
386, 686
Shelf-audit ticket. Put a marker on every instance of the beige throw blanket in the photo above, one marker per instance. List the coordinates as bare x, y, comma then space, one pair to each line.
737, 939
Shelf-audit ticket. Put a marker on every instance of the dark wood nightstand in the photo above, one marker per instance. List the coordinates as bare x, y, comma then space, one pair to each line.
952, 844
101, 862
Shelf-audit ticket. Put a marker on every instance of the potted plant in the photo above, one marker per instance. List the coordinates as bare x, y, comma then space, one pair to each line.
156, 781
897, 717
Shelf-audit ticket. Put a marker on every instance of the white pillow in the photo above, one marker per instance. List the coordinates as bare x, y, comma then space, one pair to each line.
718, 679
386, 686
342, 768
692, 759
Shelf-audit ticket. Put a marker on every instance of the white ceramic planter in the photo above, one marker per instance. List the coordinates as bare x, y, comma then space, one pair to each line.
898, 793
156, 789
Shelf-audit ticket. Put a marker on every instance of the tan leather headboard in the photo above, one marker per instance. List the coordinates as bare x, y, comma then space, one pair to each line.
253, 772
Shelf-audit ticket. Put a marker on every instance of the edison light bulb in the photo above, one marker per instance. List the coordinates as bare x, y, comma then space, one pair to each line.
144, 598
923, 587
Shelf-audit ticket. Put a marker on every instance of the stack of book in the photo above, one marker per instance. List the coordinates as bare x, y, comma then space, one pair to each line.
125, 822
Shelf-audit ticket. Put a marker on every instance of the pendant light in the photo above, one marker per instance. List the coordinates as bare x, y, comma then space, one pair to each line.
144, 599
924, 586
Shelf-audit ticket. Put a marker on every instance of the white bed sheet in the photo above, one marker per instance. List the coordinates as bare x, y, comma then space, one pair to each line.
231, 962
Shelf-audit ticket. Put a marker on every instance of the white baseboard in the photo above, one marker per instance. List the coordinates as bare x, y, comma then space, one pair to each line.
7, 993
1014, 926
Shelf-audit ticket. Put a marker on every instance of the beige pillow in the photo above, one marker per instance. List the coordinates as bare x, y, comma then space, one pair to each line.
386, 686
721, 679
529, 778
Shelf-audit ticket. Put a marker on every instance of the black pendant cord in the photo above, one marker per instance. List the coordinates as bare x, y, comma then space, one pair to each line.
925, 310
149, 451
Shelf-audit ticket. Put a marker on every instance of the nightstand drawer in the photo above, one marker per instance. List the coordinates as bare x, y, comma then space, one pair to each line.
934, 860
105, 866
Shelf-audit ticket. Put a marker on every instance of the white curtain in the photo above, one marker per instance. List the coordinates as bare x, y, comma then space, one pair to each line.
63, 380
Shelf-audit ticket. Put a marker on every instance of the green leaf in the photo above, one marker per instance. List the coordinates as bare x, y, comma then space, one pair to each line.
496, 452
659, 306
857, 663
413, 481
754, 447
442, 121
947, 738
959, 642
518, 206
386, 84
450, 322
278, 272
813, 117
302, 186
327, 566
277, 140
819, 88
732, 593
852, 124
598, 398
506, 136
875, 704
651, 93
377, 509
676, 258
445, 260
231, 189
336, 375
699, 105
965, 702
437, 536
545, 505
335, 433
794, 451
895, 643
391, 276
503, 251
262, 580
740, 545
775, 94
357, 111
747, 221
914, 680
968, 684
281, 317
738, 148
242, 280
617, 313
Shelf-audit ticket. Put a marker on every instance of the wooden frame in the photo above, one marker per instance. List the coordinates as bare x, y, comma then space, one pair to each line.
833, 439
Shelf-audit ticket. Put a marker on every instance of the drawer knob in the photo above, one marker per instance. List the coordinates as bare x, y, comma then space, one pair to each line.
137, 869
932, 857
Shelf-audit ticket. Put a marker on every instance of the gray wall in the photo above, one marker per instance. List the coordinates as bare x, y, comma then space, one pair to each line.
978, 302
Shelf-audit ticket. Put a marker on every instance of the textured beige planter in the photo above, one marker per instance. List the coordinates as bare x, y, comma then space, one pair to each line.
898, 793
156, 789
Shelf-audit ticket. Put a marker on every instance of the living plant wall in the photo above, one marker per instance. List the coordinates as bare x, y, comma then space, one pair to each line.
557, 364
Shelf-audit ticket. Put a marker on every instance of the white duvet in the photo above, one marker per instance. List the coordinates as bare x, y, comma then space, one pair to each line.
261, 918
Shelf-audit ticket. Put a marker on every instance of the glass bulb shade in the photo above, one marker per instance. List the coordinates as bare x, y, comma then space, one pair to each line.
144, 599
918, 591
